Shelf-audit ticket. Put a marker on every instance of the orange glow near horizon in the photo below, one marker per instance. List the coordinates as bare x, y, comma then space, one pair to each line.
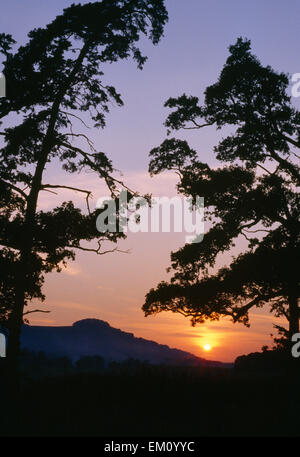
113, 287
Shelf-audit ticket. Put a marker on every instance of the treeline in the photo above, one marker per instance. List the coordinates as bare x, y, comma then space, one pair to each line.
136, 399
35, 365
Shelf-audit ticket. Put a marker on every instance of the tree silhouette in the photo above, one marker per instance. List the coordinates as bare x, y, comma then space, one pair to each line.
254, 194
51, 80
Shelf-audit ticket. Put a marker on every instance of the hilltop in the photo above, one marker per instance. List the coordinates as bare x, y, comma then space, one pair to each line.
94, 337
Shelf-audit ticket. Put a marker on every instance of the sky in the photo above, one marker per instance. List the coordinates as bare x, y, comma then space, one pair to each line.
188, 59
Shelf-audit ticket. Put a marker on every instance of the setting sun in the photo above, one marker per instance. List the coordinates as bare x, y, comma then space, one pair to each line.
207, 347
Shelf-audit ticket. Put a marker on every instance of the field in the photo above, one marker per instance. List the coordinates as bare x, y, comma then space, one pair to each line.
156, 401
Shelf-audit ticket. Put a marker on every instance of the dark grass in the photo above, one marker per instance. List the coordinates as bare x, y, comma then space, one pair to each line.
155, 402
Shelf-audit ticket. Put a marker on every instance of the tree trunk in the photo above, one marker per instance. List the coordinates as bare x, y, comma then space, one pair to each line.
293, 328
13, 347
294, 315
13, 353
16, 320
15, 328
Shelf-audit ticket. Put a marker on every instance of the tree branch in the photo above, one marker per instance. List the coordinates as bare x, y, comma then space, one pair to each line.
36, 311
97, 250
104, 175
76, 117
20, 191
87, 192
239, 312
90, 143
198, 126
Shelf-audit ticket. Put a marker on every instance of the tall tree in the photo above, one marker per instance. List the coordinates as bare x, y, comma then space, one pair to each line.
254, 194
51, 80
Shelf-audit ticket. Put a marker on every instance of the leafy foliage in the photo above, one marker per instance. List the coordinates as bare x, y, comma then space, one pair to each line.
254, 194
51, 81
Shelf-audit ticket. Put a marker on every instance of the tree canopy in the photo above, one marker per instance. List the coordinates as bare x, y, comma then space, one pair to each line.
52, 81
253, 193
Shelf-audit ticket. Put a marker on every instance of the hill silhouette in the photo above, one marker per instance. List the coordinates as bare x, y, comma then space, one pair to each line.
94, 337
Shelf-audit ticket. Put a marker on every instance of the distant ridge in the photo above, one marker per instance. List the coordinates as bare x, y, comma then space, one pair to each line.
90, 337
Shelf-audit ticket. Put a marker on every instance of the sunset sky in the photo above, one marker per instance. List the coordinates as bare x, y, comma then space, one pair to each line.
188, 59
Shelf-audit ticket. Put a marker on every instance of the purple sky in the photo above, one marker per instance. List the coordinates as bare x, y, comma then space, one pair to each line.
188, 59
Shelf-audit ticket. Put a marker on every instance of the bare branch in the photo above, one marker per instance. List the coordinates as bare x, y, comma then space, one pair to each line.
263, 168
90, 143
198, 126
259, 230
104, 175
51, 191
250, 224
77, 117
52, 186
98, 250
248, 239
36, 311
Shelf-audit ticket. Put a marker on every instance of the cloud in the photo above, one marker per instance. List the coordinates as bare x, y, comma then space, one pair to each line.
185, 335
